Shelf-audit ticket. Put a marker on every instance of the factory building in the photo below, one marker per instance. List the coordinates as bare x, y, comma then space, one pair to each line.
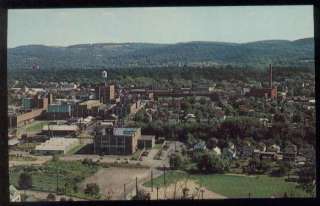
146, 142
59, 111
268, 92
87, 108
116, 141
105, 93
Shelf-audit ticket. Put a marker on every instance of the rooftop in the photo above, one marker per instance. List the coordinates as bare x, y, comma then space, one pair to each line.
63, 127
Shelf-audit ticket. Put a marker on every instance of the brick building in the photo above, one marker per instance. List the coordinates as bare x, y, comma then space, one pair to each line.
105, 93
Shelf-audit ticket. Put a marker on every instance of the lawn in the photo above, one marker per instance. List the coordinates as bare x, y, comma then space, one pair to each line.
157, 146
234, 186
33, 127
66, 175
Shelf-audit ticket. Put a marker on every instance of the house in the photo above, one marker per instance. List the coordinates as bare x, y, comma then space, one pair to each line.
217, 150
290, 152
200, 146
300, 160
246, 150
274, 148
307, 151
229, 152
146, 142
262, 147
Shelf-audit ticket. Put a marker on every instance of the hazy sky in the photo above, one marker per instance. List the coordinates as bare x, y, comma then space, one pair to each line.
60, 27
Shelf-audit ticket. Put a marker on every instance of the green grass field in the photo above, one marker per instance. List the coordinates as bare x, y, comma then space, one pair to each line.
233, 186
33, 127
64, 174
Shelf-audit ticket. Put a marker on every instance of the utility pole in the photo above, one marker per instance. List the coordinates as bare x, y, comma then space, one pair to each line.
164, 175
57, 181
137, 186
174, 193
157, 193
124, 192
151, 181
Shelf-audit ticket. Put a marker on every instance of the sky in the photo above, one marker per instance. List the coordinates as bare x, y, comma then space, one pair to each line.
63, 27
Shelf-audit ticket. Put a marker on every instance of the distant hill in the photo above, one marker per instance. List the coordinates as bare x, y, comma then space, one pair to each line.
115, 55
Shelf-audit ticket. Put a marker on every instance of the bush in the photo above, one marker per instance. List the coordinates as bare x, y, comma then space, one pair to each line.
92, 189
51, 197
25, 181
211, 163
175, 161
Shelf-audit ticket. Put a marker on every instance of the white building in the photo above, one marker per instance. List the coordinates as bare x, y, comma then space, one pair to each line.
56, 146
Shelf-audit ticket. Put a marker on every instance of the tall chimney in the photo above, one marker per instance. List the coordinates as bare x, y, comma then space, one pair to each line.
270, 75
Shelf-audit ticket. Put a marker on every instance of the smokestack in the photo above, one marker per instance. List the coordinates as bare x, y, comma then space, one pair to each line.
270, 75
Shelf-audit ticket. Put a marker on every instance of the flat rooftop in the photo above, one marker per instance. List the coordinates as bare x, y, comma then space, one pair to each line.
58, 143
125, 131
147, 137
63, 127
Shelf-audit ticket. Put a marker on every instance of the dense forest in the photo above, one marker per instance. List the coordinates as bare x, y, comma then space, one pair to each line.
130, 55
157, 77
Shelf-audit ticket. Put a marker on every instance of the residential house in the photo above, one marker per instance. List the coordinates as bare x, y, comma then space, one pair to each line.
290, 152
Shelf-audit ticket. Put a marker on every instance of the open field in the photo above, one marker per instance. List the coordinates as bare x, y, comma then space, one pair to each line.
57, 173
235, 186
111, 180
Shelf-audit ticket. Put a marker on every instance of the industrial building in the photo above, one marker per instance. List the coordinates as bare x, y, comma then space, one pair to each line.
60, 130
56, 146
268, 92
116, 141
59, 111
105, 93
146, 142
86, 108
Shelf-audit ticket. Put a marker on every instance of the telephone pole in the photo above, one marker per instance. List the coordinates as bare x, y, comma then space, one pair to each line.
137, 186
124, 192
151, 181
157, 193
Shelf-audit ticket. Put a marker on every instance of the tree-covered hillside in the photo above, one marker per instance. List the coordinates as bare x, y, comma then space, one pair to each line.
116, 55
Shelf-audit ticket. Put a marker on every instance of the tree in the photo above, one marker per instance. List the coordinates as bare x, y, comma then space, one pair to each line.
212, 143
25, 181
63, 199
92, 189
190, 139
211, 163
175, 161
51, 197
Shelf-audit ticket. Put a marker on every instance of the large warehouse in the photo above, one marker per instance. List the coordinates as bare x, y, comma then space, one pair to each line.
116, 141
56, 146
